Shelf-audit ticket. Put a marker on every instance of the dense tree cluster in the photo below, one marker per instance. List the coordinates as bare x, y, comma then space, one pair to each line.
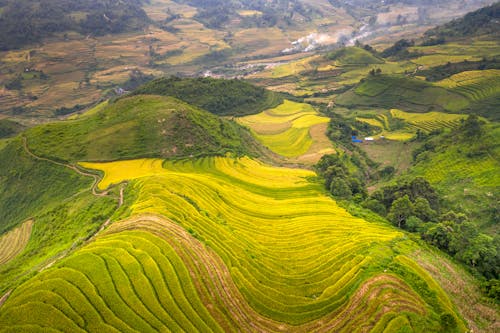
344, 176
400, 50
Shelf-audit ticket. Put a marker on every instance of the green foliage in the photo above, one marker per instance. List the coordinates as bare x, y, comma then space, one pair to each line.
9, 128
401, 210
141, 126
343, 174
29, 186
472, 128
220, 97
51, 16
339, 188
480, 22
399, 50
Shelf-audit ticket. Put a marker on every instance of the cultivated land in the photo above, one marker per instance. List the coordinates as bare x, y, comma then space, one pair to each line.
14, 242
159, 210
293, 130
215, 256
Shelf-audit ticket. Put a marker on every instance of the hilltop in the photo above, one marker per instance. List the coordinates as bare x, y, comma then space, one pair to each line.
220, 97
140, 126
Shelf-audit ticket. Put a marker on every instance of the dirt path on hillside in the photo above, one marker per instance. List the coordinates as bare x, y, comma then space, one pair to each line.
78, 242
73, 167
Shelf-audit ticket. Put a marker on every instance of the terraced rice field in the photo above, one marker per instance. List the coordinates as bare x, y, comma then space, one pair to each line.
426, 122
223, 244
429, 121
382, 121
293, 130
13, 242
475, 85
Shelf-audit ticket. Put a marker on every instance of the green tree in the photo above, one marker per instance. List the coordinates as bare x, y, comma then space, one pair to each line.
401, 210
440, 235
375, 206
472, 127
340, 188
423, 210
414, 224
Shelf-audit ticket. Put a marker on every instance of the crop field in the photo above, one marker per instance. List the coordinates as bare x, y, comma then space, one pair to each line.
472, 50
382, 121
475, 85
429, 121
14, 241
426, 122
232, 245
290, 130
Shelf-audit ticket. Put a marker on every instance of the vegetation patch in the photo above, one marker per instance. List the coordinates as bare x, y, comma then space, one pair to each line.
141, 126
220, 97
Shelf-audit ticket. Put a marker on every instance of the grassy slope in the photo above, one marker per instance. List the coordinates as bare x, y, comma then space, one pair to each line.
402, 92
265, 249
140, 126
470, 181
9, 128
55, 232
353, 56
221, 97
28, 186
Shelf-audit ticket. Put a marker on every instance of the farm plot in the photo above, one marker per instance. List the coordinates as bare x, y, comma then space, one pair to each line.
13, 242
426, 122
475, 85
429, 121
294, 130
232, 245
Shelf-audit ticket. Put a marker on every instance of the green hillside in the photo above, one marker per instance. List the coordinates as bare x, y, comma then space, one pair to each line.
220, 97
389, 91
353, 56
366, 201
29, 185
9, 128
140, 126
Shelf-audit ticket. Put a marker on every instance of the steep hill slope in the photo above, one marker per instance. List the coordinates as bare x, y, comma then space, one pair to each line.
140, 126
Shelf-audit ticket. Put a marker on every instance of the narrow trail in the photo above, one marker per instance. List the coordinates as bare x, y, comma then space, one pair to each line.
96, 178
77, 243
